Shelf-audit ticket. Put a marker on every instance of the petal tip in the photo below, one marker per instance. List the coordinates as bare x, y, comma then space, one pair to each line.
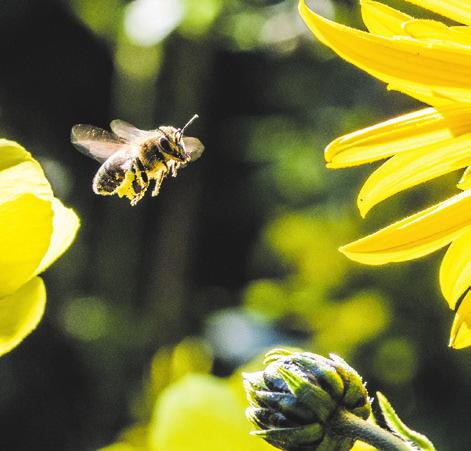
363, 207
346, 251
301, 6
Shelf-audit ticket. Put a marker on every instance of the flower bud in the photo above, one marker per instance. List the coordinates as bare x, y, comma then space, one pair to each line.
298, 394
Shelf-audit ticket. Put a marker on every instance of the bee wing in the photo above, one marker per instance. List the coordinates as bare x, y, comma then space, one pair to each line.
193, 146
127, 131
96, 142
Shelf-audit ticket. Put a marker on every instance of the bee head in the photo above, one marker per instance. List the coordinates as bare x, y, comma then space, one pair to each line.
172, 142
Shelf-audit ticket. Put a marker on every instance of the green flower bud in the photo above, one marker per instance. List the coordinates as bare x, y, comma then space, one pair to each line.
298, 395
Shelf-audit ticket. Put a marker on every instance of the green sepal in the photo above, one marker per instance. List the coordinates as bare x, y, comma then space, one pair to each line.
266, 418
355, 391
276, 354
345, 444
418, 440
302, 435
362, 411
329, 443
325, 373
312, 396
286, 403
253, 382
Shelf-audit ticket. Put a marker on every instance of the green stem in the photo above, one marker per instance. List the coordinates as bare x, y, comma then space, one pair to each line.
347, 424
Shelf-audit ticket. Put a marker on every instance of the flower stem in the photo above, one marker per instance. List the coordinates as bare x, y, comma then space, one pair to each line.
347, 424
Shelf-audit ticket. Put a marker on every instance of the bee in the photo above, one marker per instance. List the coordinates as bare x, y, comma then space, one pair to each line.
131, 158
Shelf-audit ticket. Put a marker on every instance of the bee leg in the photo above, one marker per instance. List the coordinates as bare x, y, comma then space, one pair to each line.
135, 200
140, 190
172, 167
140, 183
158, 181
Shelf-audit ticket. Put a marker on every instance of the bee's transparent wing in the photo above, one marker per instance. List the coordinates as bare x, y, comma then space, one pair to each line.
127, 131
96, 142
193, 146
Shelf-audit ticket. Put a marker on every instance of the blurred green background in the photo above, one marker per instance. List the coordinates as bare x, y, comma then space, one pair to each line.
237, 254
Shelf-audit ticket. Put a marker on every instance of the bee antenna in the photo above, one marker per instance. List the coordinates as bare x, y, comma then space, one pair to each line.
188, 123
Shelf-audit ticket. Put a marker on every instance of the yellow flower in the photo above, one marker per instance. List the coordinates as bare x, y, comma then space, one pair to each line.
35, 229
431, 62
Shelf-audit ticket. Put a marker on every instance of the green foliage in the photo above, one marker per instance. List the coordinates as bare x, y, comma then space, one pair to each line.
419, 441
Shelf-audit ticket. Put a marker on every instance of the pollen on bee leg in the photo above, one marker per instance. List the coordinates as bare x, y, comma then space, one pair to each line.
125, 189
158, 182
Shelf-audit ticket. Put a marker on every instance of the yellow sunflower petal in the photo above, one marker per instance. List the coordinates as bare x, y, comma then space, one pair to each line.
433, 30
412, 168
382, 19
19, 173
416, 235
460, 336
462, 29
465, 182
458, 10
410, 131
403, 62
65, 226
424, 94
20, 313
25, 233
455, 270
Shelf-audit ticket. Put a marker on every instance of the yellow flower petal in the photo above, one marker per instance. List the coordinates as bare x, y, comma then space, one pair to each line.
465, 182
19, 173
65, 226
455, 270
460, 336
417, 166
382, 19
433, 30
20, 313
458, 10
423, 94
401, 61
401, 134
11, 154
25, 231
416, 235
200, 413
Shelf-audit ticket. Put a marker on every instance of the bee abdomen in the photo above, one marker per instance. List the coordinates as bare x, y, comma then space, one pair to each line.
108, 179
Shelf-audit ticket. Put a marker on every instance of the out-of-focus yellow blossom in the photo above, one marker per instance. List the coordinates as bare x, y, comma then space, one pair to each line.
202, 412
431, 62
35, 229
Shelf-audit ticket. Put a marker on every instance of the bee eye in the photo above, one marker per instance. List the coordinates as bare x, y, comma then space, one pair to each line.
165, 145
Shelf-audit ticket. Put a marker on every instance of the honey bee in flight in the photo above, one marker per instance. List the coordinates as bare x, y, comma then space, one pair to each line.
131, 158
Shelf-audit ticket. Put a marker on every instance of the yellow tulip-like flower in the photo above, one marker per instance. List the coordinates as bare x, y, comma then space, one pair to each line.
35, 229
431, 62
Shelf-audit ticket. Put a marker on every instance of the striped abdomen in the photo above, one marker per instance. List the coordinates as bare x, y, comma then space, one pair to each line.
112, 174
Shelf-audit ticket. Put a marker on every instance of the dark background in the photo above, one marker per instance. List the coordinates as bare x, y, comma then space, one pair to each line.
241, 244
